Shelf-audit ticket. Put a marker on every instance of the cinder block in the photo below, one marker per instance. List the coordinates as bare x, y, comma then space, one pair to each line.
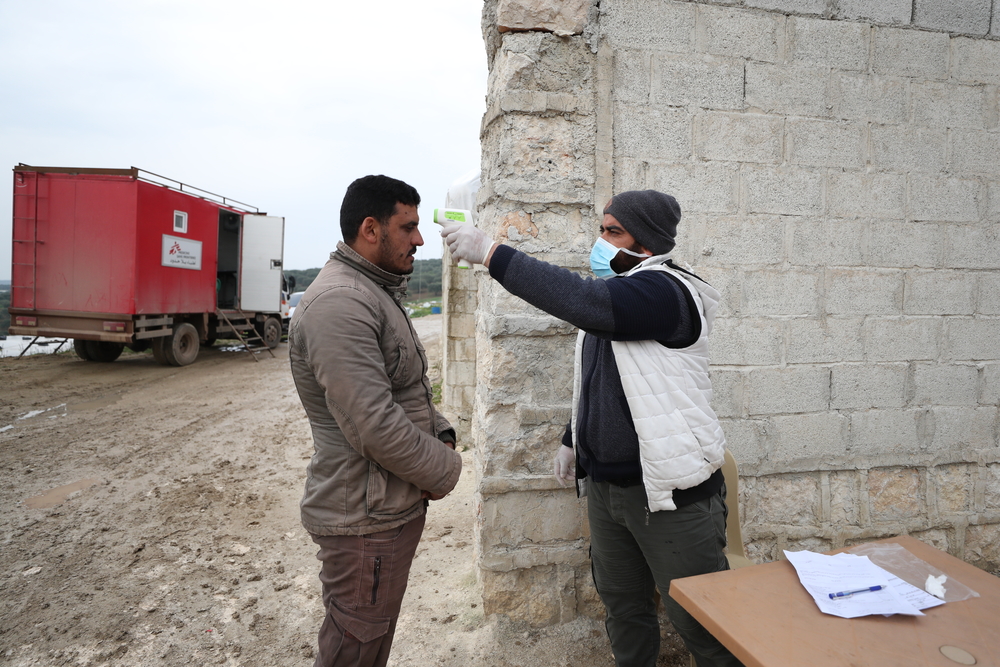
775, 293
879, 432
729, 284
945, 198
750, 240
970, 17
727, 393
938, 105
995, 22
816, 7
893, 243
940, 293
706, 82
973, 339
866, 386
974, 152
989, 391
864, 292
905, 148
945, 384
989, 294
975, 60
726, 31
700, 187
877, 11
902, 339
964, 428
826, 340
745, 439
972, 246
895, 494
823, 43
772, 391
783, 191
861, 195
735, 137
809, 436
913, 53
742, 342
819, 143
868, 98
652, 132
826, 242
631, 76
630, 24
784, 90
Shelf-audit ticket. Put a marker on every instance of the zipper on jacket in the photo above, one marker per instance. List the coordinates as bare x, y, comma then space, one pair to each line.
375, 577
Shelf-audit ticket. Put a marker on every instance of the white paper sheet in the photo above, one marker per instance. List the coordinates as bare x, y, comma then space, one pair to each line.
822, 575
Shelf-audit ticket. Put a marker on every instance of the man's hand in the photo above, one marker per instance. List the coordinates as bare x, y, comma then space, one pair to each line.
431, 496
564, 465
468, 243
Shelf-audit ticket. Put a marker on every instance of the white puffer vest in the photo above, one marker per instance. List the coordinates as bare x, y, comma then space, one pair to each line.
669, 394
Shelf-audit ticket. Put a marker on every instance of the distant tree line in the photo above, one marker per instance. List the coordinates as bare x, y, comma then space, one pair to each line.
425, 281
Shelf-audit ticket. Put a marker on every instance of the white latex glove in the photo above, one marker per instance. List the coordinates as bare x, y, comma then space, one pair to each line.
468, 243
565, 465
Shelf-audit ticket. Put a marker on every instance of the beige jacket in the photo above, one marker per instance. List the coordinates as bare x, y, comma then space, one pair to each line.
361, 374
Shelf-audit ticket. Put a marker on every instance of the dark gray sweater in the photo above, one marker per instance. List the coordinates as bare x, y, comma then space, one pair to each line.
648, 305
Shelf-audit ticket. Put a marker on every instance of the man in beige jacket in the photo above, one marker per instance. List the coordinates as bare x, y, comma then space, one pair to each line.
381, 448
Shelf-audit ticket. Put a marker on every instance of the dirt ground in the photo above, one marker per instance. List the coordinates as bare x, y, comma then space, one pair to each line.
149, 516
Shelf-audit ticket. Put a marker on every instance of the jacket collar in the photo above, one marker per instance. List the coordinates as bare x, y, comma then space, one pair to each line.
392, 283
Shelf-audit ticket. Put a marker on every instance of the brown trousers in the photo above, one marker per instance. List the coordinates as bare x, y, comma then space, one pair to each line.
364, 578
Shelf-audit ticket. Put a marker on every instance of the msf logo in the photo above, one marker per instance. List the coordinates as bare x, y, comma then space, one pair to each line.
175, 248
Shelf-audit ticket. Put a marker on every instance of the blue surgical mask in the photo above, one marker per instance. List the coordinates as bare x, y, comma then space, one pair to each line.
602, 254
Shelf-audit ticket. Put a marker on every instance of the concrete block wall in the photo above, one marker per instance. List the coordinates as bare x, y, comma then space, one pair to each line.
836, 161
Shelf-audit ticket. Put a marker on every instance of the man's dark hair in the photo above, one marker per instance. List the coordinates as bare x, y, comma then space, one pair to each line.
376, 197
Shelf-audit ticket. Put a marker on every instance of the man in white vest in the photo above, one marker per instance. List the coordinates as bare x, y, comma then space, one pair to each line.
644, 444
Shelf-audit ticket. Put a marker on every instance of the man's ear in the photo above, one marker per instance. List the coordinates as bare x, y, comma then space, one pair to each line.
369, 230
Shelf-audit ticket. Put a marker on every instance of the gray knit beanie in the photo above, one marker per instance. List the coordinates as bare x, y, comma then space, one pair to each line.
651, 217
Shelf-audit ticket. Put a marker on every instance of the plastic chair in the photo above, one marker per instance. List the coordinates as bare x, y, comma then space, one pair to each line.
734, 535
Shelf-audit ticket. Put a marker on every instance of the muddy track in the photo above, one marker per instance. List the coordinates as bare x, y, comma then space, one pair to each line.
149, 516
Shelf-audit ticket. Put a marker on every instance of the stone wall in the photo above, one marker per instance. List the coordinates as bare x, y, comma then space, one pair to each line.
837, 163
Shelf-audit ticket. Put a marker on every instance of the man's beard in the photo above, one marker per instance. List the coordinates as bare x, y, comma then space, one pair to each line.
387, 258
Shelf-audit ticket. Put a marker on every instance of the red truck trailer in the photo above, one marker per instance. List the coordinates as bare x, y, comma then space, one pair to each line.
116, 257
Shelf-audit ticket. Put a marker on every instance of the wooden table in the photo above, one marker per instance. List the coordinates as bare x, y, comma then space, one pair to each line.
767, 619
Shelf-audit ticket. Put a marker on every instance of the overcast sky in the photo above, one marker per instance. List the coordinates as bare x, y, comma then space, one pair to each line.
279, 105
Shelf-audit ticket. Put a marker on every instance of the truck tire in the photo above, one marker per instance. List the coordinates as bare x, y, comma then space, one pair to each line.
181, 349
80, 347
102, 351
271, 332
157, 345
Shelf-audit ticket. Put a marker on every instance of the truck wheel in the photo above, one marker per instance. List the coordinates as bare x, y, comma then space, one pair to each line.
157, 345
272, 332
80, 347
181, 349
104, 352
